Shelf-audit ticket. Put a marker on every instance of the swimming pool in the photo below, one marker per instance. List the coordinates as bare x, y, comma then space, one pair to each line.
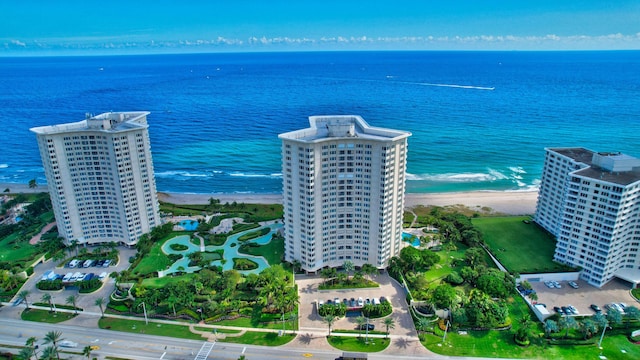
189, 225
230, 251
407, 237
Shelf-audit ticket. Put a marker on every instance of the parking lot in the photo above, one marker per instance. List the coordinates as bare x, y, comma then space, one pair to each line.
85, 301
585, 295
391, 290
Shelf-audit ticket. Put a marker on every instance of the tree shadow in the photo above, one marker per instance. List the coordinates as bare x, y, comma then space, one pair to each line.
306, 338
401, 343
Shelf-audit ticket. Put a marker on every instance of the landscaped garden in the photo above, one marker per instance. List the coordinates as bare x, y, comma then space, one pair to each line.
483, 297
16, 254
211, 286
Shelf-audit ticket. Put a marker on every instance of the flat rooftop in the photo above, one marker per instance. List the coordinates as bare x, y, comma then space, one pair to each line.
342, 127
110, 122
596, 172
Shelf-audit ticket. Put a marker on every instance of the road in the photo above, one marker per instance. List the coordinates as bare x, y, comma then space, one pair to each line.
142, 347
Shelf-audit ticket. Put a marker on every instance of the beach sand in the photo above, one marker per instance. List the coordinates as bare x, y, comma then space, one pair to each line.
510, 203
505, 202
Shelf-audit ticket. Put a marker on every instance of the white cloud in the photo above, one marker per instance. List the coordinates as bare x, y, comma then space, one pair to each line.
430, 42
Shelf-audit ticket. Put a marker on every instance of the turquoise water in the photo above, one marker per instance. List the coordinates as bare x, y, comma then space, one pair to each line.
465, 136
407, 237
229, 252
189, 225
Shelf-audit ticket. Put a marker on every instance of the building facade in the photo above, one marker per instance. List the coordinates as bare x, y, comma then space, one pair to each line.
100, 177
343, 192
591, 202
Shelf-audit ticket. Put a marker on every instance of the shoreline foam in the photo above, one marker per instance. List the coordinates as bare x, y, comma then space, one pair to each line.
506, 202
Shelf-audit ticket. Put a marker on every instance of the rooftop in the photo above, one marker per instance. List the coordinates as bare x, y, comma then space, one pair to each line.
613, 167
342, 126
111, 122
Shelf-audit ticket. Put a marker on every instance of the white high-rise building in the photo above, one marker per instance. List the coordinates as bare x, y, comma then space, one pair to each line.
591, 202
343, 192
100, 177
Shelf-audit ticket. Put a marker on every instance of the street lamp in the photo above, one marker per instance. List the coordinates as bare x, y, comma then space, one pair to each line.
144, 308
604, 328
445, 332
366, 340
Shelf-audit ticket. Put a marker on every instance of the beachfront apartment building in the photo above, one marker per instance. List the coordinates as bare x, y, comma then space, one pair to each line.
100, 177
591, 202
343, 192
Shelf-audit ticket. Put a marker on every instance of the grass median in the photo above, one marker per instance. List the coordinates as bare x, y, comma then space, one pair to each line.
139, 327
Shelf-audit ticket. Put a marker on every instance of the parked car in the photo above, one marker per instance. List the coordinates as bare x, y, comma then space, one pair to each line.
566, 310
360, 302
106, 263
558, 310
369, 327
99, 263
595, 308
383, 299
573, 284
573, 309
557, 285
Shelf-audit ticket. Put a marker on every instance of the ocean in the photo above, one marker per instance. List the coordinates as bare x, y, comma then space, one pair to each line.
480, 120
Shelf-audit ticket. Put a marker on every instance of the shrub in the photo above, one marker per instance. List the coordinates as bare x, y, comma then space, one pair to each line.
454, 278
29, 271
49, 284
178, 247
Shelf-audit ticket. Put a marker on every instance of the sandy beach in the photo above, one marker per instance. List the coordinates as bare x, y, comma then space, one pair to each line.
506, 202
511, 203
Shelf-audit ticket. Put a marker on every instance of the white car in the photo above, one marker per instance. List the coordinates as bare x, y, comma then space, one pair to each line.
68, 344
360, 302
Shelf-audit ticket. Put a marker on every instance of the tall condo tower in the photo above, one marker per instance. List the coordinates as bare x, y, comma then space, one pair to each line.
343, 192
591, 202
100, 177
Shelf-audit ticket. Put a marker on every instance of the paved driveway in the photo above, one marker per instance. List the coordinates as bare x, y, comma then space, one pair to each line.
85, 301
584, 296
389, 288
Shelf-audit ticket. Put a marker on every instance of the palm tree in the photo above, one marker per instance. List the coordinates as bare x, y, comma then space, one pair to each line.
360, 321
423, 324
71, 300
24, 296
389, 323
30, 344
348, 267
329, 320
86, 351
567, 323
47, 298
52, 337
26, 353
369, 270
326, 273
50, 353
99, 302
550, 326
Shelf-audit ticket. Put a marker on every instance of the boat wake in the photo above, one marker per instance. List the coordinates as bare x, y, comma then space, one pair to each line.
459, 86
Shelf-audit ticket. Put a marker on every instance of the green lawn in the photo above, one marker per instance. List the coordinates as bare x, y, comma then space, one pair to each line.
163, 281
501, 344
349, 343
272, 251
139, 327
260, 338
253, 323
156, 260
45, 316
521, 248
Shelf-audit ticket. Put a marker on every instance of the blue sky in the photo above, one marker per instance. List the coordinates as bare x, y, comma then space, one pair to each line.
142, 26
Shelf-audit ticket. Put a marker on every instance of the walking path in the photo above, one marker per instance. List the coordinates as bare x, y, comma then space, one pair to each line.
34, 240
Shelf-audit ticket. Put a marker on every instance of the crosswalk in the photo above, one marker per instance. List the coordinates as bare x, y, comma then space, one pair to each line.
205, 350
